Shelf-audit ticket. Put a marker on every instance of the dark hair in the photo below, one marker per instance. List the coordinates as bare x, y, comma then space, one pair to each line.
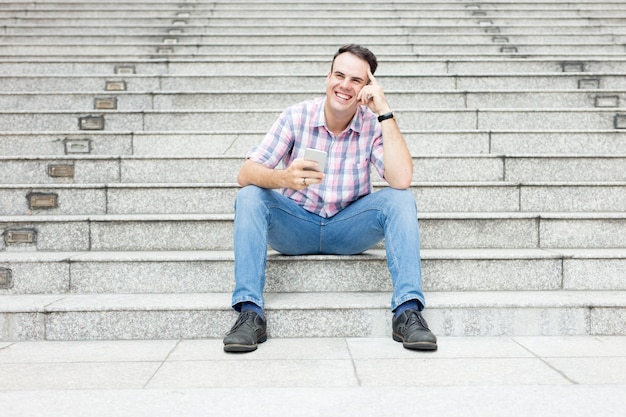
361, 52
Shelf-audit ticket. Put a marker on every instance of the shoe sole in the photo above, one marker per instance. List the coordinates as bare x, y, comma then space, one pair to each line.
415, 345
238, 348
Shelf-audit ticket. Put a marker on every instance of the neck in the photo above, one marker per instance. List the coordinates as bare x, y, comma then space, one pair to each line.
337, 123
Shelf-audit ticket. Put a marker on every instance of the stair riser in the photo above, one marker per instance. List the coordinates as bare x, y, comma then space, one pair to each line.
215, 66
256, 100
615, 18
114, 325
217, 234
233, 121
258, 84
224, 170
390, 36
294, 275
427, 143
311, 49
312, 30
208, 199
257, 12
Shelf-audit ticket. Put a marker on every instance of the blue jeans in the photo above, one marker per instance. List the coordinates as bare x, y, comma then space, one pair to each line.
265, 218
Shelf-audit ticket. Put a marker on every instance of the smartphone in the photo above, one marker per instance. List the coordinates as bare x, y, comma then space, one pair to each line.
317, 156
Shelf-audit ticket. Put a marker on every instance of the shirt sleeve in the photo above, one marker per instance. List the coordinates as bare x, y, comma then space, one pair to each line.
277, 143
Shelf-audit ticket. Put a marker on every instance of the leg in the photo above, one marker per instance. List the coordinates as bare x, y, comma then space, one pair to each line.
390, 214
266, 218
262, 217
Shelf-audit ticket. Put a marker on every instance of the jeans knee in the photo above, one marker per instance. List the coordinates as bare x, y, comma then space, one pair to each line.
250, 194
402, 200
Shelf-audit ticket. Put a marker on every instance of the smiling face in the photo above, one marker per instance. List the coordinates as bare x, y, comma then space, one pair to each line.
343, 84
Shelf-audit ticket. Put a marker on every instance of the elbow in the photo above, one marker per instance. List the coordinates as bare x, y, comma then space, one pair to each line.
240, 180
400, 182
400, 185
243, 177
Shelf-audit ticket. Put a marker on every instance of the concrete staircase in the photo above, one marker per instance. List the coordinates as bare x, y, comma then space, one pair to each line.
123, 125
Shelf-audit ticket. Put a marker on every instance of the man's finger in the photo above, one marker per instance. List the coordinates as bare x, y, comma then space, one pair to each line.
371, 76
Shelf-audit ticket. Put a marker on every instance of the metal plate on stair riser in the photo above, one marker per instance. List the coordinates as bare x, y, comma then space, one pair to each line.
620, 121
61, 171
20, 237
115, 85
6, 279
105, 103
91, 123
77, 146
42, 201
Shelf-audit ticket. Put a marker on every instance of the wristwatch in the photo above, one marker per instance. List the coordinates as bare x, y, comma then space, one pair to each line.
385, 116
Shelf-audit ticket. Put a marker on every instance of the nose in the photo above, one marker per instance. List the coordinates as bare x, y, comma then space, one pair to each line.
345, 83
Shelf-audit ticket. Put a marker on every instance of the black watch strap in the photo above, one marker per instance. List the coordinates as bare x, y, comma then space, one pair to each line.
385, 116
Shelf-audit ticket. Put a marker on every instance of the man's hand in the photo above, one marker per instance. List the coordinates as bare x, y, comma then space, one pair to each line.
372, 96
299, 178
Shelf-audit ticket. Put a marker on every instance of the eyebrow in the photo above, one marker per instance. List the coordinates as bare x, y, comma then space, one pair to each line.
358, 79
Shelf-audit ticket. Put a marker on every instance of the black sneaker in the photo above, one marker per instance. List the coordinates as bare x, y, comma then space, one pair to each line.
411, 329
248, 330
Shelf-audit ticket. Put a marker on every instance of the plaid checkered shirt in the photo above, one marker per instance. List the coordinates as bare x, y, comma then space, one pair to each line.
347, 174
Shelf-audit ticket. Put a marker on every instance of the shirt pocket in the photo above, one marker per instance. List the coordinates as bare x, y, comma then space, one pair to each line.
356, 166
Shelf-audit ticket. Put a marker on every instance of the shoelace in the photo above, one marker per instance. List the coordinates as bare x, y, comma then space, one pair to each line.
241, 320
416, 317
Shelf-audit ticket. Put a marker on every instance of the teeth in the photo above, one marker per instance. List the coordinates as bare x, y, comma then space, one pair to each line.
343, 96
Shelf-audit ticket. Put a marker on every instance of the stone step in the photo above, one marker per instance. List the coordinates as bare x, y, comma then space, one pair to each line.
194, 144
485, 48
310, 5
208, 66
64, 83
297, 39
238, 100
223, 169
305, 29
364, 18
66, 273
508, 230
237, 120
189, 316
410, 51
357, 11
54, 199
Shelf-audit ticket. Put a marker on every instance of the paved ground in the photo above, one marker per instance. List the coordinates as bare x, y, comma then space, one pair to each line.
502, 376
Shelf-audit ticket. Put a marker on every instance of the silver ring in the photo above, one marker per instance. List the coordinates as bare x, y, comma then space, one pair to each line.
303, 181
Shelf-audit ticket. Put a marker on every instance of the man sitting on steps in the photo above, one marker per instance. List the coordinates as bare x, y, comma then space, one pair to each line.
330, 212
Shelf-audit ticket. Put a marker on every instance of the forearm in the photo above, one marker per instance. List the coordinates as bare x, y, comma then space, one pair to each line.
396, 156
296, 176
253, 173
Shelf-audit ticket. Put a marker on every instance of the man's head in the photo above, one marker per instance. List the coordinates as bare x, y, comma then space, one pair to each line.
359, 51
347, 76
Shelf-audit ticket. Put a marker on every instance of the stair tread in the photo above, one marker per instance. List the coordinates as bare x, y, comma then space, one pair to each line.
372, 254
307, 301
